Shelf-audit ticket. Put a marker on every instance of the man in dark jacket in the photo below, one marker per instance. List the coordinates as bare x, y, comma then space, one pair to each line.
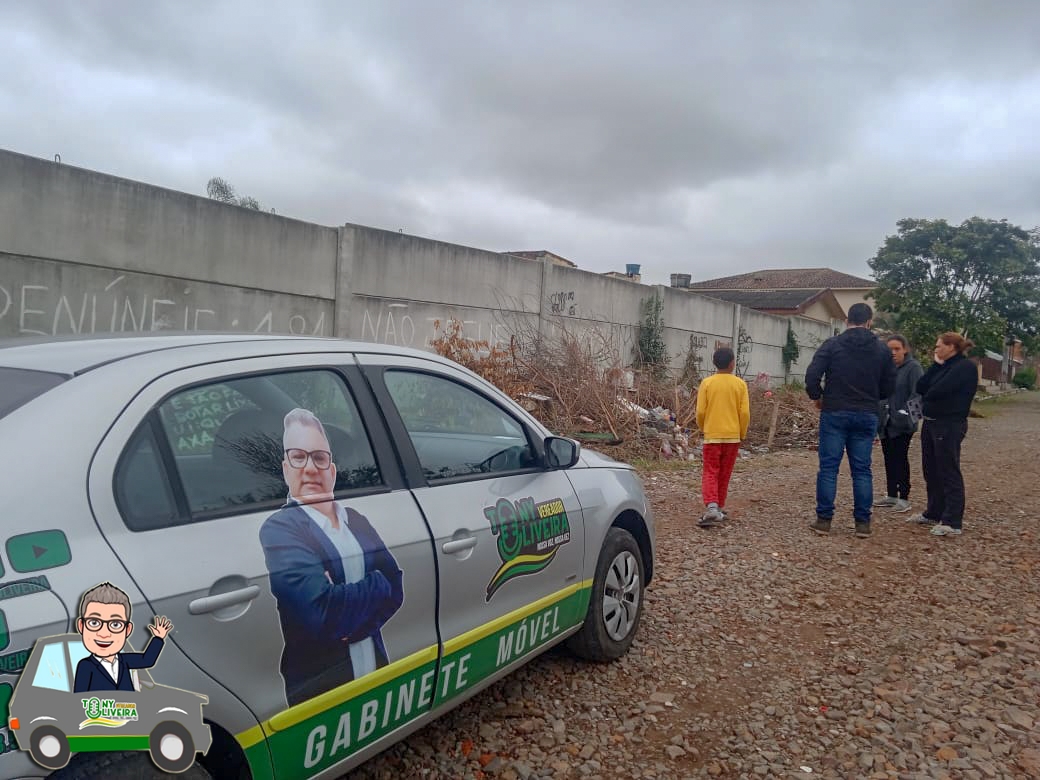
858, 372
898, 424
335, 582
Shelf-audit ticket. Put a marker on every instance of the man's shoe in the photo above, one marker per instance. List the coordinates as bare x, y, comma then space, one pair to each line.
945, 530
821, 525
901, 505
862, 530
886, 501
920, 519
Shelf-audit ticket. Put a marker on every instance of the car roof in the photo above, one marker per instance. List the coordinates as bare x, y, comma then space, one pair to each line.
72, 355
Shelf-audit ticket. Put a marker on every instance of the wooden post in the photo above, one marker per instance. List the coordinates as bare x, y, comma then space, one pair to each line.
772, 422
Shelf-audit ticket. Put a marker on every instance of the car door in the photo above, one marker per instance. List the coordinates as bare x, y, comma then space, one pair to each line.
508, 531
327, 634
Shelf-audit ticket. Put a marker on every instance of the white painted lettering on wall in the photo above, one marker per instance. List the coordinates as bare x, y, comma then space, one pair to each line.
37, 309
395, 324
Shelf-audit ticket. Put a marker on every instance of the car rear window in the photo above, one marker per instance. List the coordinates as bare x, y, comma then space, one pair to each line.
18, 386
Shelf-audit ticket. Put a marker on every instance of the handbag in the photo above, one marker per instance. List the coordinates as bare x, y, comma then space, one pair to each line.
915, 409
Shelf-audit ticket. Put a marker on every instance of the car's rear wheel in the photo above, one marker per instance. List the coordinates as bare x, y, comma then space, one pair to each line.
171, 747
49, 747
616, 602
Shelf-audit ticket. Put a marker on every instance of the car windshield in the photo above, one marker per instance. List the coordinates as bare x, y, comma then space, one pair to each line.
140, 677
18, 386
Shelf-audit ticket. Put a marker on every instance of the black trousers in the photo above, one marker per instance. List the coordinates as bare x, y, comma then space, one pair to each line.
897, 464
941, 463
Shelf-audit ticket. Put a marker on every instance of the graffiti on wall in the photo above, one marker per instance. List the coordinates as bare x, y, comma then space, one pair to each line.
50, 300
403, 326
562, 302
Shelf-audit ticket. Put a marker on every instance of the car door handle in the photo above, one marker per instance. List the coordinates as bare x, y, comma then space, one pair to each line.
223, 600
458, 545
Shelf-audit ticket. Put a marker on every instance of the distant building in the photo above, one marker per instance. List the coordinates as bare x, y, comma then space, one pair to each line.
541, 254
992, 364
631, 273
815, 304
820, 293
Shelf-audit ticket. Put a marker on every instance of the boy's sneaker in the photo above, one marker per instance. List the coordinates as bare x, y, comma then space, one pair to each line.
901, 505
945, 530
862, 530
886, 501
821, 525
711, 518
920, 519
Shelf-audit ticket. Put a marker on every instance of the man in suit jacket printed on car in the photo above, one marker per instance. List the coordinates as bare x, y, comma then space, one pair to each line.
335, 582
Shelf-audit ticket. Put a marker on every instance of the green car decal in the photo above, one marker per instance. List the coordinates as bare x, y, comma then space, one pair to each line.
310, 737
529, 536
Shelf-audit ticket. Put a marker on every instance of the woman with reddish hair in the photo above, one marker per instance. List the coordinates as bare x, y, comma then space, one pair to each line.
947, 389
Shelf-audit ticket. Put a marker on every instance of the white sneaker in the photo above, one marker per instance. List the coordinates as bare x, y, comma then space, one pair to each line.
711, 517
901, 505
945, 530
886, 501
920, 519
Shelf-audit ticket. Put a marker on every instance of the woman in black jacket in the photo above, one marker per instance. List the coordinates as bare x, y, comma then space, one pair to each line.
947, 389
897, 425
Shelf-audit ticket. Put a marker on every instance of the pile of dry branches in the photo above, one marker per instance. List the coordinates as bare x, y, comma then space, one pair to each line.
576, 380
781, 417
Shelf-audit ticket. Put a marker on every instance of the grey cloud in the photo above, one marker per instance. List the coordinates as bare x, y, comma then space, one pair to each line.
688, 134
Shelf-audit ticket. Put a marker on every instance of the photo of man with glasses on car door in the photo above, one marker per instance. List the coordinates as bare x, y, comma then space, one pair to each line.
335, 582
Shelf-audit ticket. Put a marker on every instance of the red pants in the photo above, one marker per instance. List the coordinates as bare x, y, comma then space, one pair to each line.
718, 468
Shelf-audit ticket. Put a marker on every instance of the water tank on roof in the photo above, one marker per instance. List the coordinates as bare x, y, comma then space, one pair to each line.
632, 269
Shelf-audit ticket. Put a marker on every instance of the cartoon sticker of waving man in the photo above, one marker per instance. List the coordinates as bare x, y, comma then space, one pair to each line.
104, 623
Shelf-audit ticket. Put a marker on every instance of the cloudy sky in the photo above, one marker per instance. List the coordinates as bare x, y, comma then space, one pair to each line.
700, 137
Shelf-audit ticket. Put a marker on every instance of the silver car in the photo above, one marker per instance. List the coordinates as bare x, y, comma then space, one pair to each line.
349, 538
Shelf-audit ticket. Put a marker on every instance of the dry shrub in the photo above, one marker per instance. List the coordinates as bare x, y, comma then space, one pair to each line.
581, 373
498, 366
576, 382
797, 419
571, 380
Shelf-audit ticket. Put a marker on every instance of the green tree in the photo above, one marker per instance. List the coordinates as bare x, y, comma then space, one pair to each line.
220, 189
651, 353
980, 278
790, 351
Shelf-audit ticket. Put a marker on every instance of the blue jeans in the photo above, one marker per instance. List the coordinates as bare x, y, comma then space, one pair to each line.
851, 432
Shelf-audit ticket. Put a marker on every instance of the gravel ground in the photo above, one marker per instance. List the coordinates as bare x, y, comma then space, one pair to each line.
766, 651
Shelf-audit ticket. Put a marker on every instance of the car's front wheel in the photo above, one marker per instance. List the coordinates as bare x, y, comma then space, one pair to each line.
171, 747
616, 602
49, 748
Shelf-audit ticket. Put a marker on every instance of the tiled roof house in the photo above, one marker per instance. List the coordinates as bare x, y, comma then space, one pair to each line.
820, 293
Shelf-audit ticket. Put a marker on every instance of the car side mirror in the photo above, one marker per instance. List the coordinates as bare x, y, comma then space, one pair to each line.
561, 453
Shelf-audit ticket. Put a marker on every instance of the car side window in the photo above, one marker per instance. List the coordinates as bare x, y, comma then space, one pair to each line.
143, 489
455, 430
225, 442
52, 672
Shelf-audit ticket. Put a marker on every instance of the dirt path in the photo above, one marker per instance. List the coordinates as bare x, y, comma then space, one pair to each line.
767, 651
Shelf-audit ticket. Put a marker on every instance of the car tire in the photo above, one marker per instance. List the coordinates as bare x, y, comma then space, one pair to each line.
122, 764
49, 748
171, 747
616, 602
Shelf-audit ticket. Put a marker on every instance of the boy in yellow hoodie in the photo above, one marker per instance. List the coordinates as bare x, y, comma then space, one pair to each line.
723, 415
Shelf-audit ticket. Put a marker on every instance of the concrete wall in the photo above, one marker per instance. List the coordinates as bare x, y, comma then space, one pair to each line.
85, 252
